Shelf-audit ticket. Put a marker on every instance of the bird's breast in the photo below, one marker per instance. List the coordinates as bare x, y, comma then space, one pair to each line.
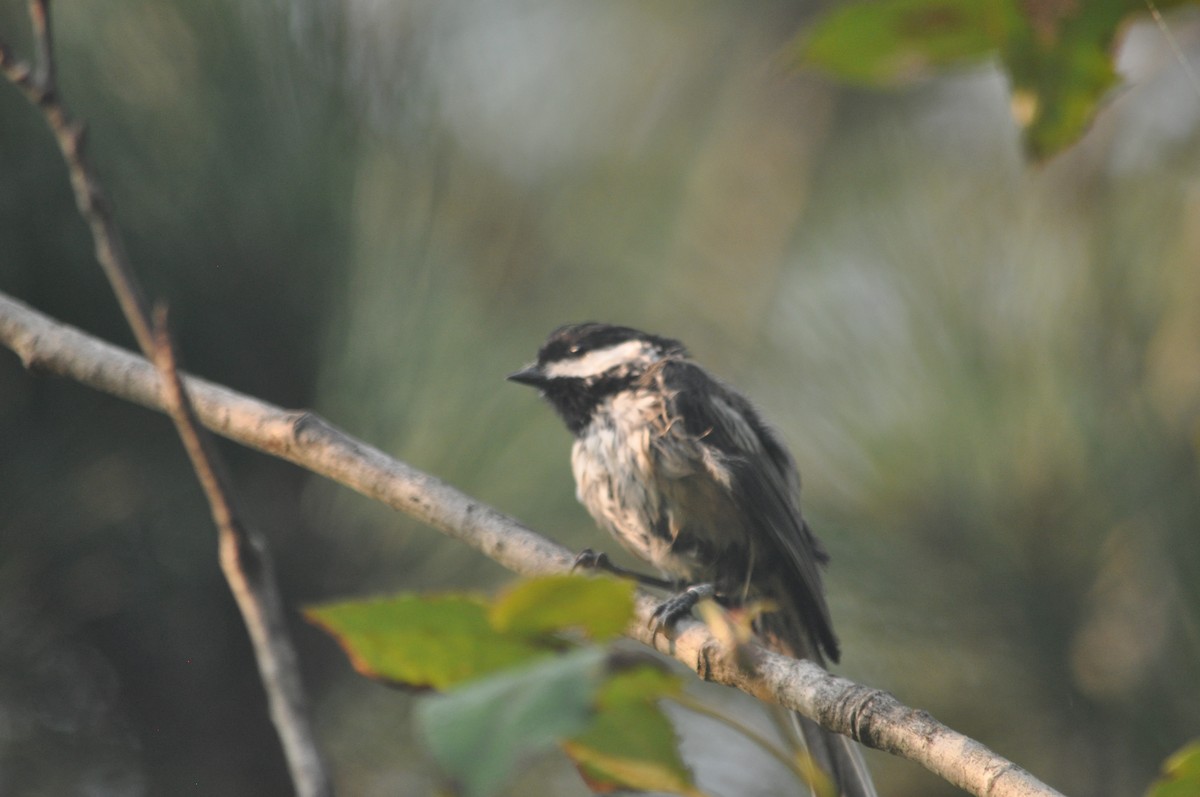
645, 481
614, 473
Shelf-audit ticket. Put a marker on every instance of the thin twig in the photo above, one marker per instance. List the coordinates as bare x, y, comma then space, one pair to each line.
246, 565
40, 86
250, 571
870, 716
15, 70
45, 73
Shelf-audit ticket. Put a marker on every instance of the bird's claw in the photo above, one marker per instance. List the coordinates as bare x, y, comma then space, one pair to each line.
591, 560
675, 608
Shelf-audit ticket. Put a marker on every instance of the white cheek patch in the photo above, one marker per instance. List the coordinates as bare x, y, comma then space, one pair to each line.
597, 362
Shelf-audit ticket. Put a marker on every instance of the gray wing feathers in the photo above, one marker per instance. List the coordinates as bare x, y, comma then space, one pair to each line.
767, 487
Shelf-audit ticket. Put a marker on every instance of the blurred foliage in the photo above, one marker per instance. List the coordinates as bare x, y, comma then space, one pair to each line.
432, 642
480, 731
1059, 56
513, 691
629, 743
439, 641
1181, 774
989, 374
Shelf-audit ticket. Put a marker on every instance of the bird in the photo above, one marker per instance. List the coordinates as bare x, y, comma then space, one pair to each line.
682, 470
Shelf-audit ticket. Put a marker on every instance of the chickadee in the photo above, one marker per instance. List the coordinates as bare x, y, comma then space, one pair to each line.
683, 472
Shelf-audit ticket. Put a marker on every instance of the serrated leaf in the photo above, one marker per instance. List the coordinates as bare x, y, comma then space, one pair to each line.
631, 743
434, 641
479, 731
1181, 774
600, 607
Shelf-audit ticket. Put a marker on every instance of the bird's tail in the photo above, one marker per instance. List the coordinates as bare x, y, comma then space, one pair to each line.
835, 755
838, 757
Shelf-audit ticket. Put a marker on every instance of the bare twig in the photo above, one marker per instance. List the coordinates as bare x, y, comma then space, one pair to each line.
871, 716
15, 70
39, 84
250, 571
246, 565
44, 75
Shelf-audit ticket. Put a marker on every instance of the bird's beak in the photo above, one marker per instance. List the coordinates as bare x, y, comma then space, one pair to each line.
531, 375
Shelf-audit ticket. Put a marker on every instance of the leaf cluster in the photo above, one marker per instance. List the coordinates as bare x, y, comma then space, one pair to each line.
518, 674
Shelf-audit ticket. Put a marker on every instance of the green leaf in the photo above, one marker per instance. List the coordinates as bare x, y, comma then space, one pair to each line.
480, 731
601, 607
438, 641
1060, 61
434, 641
1181, 774
631, 743
887, 42
1059, 56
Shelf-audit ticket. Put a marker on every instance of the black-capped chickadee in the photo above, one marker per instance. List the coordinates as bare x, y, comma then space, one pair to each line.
680, 468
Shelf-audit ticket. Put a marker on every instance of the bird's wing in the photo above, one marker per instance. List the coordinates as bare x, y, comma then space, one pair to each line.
765, 487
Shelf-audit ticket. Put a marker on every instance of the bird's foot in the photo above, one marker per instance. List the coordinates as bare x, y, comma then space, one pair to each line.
675, 608
598, 560
587, 559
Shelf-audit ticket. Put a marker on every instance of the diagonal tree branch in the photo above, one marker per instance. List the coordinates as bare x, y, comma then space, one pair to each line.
871, 716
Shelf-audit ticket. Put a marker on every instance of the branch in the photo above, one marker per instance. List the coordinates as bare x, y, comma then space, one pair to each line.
243, 558
871, 716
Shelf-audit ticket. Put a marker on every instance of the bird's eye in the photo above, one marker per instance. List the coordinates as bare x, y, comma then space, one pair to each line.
574, 349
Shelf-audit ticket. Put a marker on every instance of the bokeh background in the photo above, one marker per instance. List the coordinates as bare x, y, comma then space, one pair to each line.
988, 371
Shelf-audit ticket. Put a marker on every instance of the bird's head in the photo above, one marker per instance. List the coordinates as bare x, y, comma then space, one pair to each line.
580, 365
